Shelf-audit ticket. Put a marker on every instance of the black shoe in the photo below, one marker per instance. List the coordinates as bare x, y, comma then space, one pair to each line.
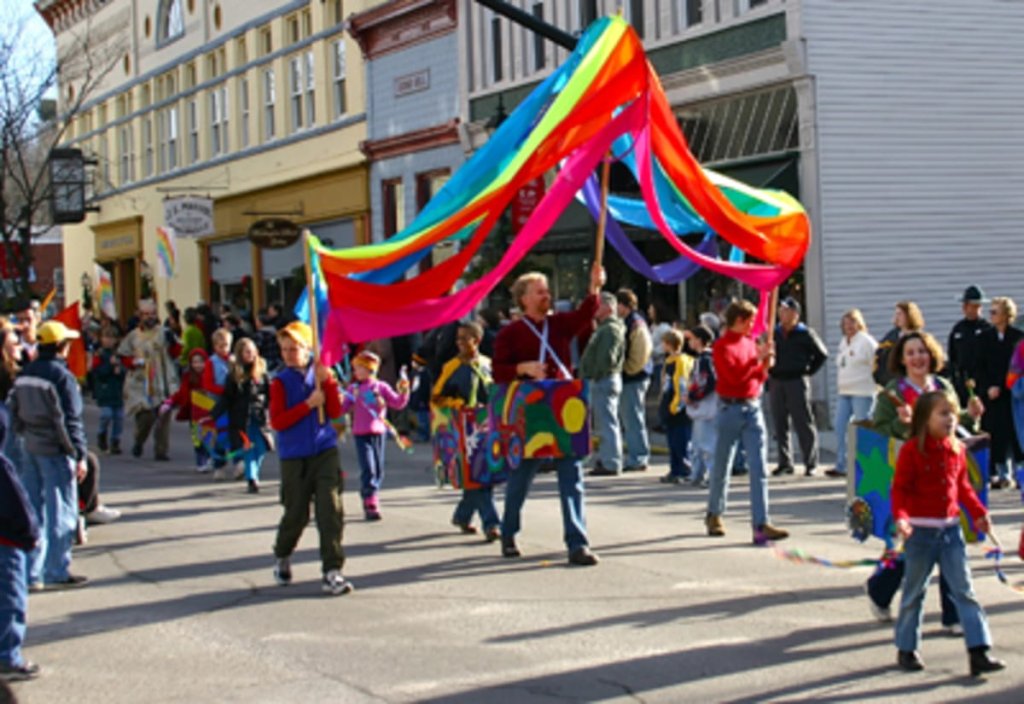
19, 673
910, 661
103, 442
136, 450
782, 469
600, 470
583, 557
834, 473
635, 468
254, 487
509, 549
981, 662
73, 581
810, 471
115, 447
464, 527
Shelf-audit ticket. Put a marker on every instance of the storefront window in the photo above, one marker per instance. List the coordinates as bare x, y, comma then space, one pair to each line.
284, 270
231, 274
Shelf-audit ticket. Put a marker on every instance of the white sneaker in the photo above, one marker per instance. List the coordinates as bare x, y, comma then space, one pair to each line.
102, 515
881, 614
336, 585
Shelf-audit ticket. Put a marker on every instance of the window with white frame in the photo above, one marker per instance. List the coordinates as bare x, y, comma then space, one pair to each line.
126, 152
193, 130
167, 135
147, 146
103, 173
269, 98
219, 120
338, 77
301, 95
688, 13
170, 20
310, 90
243, 112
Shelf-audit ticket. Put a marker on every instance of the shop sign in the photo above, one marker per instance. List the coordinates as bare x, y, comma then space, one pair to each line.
412, 83
274, 233
189, 216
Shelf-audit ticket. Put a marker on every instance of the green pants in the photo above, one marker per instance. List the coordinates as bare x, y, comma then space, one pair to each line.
319, 478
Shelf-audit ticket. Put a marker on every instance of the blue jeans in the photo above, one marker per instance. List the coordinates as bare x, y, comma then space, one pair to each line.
13, 604
423, 424
740, 422
632, 411
52, 489
253, 457
477, 500
702, 447
604, 405
848, 410
923, 549
570, 492
370, 453
112, 420
678, 432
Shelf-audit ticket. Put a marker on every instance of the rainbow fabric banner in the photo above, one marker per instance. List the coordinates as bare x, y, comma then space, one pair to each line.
605, 98
105, 293
166, 251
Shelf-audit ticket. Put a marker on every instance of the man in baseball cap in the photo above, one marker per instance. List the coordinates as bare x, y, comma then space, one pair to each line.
963, 341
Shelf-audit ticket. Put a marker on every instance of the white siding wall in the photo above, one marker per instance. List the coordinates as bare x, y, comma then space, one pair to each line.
920, 107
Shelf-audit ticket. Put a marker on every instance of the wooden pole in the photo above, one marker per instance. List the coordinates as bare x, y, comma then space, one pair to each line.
602, 219
773, 311
314, 321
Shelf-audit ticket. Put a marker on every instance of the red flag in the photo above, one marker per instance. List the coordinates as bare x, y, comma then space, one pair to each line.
76, 356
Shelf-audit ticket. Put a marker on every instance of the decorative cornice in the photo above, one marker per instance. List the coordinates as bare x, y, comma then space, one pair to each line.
415, 141
401, 23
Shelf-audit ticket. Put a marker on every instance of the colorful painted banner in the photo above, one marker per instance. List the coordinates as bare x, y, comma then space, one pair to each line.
166, 251
870, 484
458, 434
105, 293
605, 96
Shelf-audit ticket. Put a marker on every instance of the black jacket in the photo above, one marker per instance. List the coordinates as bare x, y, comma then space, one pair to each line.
18, 527
800, 352
965, 353
246, 404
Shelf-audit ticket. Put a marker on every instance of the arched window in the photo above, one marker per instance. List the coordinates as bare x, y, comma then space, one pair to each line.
170, 21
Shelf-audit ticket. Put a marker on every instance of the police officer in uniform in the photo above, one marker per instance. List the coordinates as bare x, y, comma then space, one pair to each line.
963, 342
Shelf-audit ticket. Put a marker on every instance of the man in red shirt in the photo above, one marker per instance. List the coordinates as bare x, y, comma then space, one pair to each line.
537, 347
742, 366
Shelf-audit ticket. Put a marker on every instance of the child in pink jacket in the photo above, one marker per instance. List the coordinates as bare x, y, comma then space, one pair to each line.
369, 399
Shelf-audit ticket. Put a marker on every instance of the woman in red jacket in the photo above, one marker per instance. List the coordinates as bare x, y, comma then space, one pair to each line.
928, 489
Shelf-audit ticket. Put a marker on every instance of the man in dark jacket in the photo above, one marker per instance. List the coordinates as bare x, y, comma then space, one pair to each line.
18, 535
800, 353
965, 342
46, 408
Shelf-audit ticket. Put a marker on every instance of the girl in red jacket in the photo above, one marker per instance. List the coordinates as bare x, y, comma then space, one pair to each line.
192, 380
930, 485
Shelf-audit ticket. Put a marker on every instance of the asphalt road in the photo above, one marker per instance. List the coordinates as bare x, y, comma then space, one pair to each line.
182, 605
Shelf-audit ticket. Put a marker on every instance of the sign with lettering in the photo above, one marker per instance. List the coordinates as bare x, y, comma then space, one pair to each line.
274, 233
525, 201
189, 216
412, 83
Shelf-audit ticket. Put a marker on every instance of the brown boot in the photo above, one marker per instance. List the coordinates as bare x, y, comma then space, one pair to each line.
714, 525
767, 532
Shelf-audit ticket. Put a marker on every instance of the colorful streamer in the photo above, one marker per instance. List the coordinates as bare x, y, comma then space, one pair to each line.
800, 557
105, 293
604, 97
166, 251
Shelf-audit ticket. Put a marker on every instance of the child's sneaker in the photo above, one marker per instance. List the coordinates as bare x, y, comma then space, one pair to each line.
254, 487
283, 571
371, 509
335, 585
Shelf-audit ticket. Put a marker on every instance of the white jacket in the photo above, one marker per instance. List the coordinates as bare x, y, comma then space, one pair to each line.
855, 361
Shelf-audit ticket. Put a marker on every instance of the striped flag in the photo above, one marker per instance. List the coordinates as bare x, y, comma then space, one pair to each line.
166, 251
105, 293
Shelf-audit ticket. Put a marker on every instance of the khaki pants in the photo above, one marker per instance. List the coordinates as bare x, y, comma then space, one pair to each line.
317, 478
150, 420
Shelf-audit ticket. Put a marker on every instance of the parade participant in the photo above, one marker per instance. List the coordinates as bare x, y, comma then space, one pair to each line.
964, 341
368, 398
152, 378
215, 377
672, 406
995, 348
702, 405
245, 399
928, 489
913, 366
800, 353
601, 365
856, 400
464, 383
742, 366
192, 380
192, 337
108, 376
10, 365
46, 410
19, 534
419, 397
636, 377
906, 318
536, 346
307, 445
28, 317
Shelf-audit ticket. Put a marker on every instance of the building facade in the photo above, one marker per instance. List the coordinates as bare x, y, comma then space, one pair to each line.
891, 122
257, 105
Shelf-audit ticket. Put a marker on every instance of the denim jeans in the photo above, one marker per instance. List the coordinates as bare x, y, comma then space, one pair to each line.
678, 432
740, 422
702, 448
848, 410
253, 457
13, 604
477, 501
112, 421
604, 405
923, 549
886, 580
370, 453
570, 492
423, 424
52, 489
632, 412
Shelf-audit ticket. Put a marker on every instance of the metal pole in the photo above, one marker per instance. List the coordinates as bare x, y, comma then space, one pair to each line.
539, 26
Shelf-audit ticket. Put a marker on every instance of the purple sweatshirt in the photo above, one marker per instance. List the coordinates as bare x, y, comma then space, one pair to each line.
371, 399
